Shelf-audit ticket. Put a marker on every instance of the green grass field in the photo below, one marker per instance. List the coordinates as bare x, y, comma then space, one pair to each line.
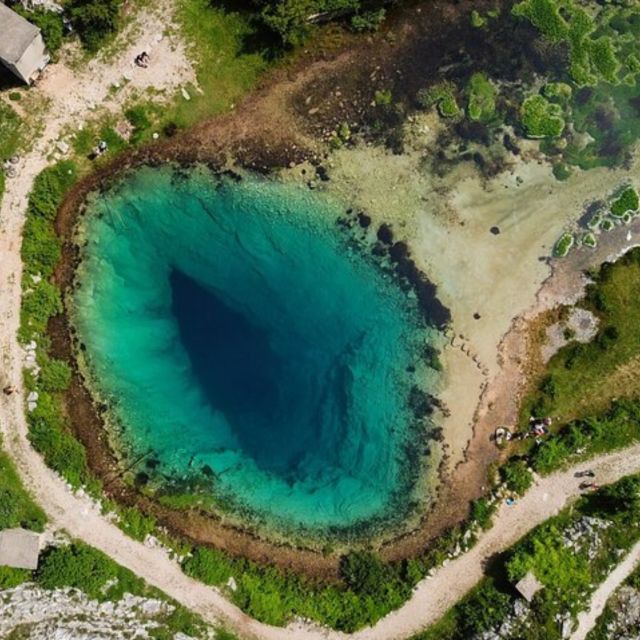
583, 379
226, 69
17, 508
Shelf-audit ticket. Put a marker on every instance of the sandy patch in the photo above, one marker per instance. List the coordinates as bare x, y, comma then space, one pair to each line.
487, 279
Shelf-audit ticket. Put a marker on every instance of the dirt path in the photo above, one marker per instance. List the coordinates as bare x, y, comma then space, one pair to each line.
588, 618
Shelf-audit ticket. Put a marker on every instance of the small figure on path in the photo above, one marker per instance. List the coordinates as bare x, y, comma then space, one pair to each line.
142, 60
9, 390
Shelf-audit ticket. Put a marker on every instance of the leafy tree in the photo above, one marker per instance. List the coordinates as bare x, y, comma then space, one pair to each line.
95, 20
82, 567
620, 497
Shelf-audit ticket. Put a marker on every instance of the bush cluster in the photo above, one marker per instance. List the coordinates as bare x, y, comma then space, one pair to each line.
482, 98
441, 95
94, 20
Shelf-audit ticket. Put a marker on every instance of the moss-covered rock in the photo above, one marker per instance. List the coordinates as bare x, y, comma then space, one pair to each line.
541, 118
563, 245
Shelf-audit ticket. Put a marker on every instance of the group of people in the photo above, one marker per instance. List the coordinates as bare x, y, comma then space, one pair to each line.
538, 427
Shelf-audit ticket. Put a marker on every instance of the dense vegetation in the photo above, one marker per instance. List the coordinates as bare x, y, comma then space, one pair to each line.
94, 20
569, 554
41, 300
17, 509
292, 20
11, 127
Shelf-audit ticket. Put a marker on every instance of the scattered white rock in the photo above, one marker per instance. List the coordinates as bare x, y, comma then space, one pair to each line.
185, 94
68, 614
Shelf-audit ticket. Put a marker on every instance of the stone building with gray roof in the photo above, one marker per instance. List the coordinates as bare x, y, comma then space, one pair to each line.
22, 49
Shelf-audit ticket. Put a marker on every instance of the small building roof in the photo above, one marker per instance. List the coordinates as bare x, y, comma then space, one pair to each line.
16, 34
19, 548
529, 586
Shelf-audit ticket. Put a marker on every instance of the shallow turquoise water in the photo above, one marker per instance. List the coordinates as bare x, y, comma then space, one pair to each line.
232, 330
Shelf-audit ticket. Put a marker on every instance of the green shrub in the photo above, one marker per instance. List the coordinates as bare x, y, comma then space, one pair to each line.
137, 117
477, 20
11, 130
483, 609
561, 171
208, 565
621, 497
541, 118
17, 508
82, 567
482, 511
560, 92
365, 573
38, 305
368, 20
566, 575
545, 15
50, 187
61, 451
135, 524
55, 375
383, 98
10, 577
441, 95
40, 246
618, 427
94, 20
516, 475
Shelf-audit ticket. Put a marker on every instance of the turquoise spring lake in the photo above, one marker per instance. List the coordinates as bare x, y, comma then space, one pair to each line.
241, 340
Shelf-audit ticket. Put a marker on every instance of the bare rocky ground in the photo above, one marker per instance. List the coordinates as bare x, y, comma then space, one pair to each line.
27, 611
626, 608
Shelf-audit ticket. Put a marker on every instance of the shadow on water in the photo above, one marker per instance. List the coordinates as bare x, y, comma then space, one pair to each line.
236, 367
